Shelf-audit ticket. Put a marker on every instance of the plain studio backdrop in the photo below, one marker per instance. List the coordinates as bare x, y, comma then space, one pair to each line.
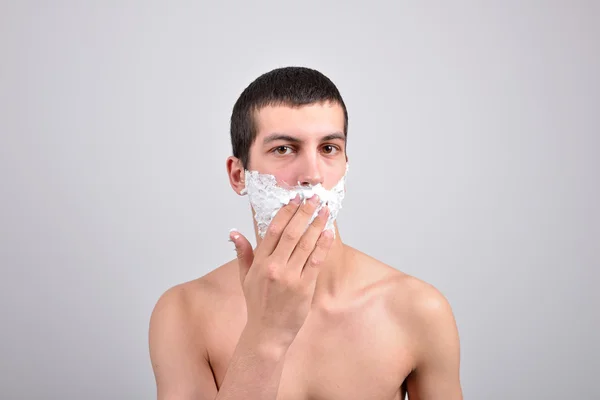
474, 142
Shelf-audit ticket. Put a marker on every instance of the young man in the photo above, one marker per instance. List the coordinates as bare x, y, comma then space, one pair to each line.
302, 316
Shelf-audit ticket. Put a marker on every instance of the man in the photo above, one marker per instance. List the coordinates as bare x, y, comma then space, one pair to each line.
302, 316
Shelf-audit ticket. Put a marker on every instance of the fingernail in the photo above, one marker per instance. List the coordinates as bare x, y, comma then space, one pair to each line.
296, 200
314, 200
233, 234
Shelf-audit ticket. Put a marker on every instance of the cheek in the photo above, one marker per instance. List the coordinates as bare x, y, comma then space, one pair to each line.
286, 179
334, 178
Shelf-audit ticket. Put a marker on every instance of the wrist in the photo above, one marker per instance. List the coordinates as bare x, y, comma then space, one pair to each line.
265, 343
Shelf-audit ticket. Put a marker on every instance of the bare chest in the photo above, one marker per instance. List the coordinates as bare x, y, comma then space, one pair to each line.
360, 354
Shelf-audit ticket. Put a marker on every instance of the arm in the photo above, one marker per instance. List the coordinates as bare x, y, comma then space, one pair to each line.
278, 282
179, 358
254, 372
180, 361
436, 374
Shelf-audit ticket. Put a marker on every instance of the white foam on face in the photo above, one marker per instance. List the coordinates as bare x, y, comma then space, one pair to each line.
267, 198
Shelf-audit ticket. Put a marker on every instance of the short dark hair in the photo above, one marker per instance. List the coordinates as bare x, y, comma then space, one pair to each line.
288, 86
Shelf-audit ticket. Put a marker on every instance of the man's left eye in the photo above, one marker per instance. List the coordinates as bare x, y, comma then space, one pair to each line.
329, 149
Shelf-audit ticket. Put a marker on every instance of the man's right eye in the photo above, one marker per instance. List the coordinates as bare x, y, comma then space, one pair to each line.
282, 150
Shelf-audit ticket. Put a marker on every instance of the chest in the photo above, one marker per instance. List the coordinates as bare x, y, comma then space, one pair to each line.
355, 355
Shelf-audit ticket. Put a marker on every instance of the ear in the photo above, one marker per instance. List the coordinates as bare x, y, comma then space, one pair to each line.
236, 174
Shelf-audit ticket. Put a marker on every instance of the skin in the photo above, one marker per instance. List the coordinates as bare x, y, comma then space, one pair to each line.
277, 322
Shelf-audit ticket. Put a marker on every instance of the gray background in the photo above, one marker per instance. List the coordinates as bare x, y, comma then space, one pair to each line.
473, 143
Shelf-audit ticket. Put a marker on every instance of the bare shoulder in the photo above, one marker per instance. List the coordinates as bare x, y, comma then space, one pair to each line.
424, 313
194, 298
419, 299
183, 311
409, 297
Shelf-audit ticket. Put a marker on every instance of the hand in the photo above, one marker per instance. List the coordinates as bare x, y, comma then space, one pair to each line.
279, 279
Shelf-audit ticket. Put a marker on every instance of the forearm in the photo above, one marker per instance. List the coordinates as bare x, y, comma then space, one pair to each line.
254, 371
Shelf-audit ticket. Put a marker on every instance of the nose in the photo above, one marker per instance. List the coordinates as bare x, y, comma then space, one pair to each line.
310, 173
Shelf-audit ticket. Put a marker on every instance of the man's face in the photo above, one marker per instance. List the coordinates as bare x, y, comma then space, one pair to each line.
303, 145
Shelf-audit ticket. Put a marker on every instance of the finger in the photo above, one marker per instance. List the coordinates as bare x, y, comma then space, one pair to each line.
311, 269
307, 242
243, 249
276, 228
295, 229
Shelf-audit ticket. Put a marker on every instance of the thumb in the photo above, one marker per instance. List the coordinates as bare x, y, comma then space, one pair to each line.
245, 255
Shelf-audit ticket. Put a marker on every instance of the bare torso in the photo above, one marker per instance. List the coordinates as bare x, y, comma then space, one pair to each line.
358, 346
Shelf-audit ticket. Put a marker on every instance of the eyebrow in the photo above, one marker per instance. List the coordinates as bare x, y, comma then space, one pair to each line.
278, 136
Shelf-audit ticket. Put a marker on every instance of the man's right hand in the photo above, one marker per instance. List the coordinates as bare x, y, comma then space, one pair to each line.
279, 278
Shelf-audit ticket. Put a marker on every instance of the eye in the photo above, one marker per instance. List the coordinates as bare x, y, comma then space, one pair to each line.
281, 150
330, 149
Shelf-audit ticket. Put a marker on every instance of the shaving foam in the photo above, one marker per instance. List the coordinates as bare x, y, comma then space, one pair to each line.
267, 197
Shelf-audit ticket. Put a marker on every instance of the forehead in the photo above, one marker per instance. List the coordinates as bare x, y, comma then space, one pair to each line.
317, 118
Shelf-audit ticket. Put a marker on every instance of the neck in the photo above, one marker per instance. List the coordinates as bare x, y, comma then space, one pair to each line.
334, 272
334, 275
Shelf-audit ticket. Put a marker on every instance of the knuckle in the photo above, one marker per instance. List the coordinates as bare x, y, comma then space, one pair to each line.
323, 243
292, 283
289, 236
307, 210
326, 239
315, 261
287, 282
305, 246
274, 230
289, 209
240, 253
318, 221
272, 276
271, 271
